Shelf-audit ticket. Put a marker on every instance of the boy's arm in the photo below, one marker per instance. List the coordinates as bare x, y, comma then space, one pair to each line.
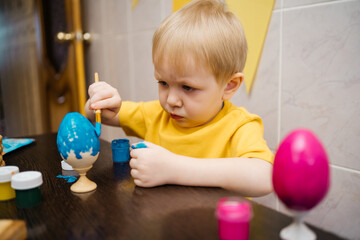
155, 166
106, 98
251, 177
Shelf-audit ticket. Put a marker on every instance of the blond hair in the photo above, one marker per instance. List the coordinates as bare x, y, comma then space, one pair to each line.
206, 31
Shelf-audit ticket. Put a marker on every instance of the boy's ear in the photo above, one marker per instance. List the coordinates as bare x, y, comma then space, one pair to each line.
233, 85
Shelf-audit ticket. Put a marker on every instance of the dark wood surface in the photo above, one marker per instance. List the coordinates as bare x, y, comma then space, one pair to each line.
120, 210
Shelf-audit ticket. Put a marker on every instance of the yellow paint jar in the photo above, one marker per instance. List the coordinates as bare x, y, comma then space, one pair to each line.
6, 191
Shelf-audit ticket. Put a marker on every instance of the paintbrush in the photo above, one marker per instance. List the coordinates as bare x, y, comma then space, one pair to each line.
97, 112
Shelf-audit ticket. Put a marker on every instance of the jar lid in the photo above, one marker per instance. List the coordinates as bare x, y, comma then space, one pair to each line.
26, 180
234, 209
120, 143
66, 166
6, 173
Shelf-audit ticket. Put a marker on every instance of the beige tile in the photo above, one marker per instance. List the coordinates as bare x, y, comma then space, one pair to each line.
277, 4
269, 200
109, 133
94, 53
146, 15
92, 16
94, 56
166, 8
297, 3
144, 81
320, 78
263, 97
339, 212
116, 16
119, 66
94, 59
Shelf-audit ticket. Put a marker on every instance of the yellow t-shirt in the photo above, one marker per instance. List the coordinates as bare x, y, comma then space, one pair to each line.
234, 132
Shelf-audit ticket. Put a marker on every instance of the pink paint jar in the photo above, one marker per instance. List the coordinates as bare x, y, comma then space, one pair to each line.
234, 215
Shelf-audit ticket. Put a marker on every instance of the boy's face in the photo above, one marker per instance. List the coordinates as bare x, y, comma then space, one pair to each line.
192, 98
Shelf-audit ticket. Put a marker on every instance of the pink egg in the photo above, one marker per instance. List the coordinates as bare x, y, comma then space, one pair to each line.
301, 176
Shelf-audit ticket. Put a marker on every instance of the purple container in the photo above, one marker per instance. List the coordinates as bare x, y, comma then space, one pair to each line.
234, 215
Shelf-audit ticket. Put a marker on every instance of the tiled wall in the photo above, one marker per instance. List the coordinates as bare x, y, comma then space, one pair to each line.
309, 76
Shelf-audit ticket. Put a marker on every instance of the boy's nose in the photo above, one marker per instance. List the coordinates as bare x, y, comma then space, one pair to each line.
173, 99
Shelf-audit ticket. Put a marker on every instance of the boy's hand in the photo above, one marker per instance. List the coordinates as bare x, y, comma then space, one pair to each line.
151, 166
104, 97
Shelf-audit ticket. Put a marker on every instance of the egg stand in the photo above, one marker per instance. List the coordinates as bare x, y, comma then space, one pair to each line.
298, 230
83, 184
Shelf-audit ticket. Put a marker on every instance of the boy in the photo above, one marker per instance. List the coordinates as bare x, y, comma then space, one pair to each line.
194, 134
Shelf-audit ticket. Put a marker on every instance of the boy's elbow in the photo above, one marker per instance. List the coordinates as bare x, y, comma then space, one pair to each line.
267, 189
256, 182
264, 182
258, 189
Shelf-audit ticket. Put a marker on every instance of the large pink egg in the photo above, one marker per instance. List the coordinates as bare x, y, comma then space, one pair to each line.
301, 175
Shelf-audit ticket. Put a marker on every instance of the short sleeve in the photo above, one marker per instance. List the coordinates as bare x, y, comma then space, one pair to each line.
132, 119
248, 141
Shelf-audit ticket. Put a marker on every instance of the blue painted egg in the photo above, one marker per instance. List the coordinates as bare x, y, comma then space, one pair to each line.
77, 138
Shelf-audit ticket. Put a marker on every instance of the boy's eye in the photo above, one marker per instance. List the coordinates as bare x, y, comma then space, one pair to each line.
187, 88
162, 83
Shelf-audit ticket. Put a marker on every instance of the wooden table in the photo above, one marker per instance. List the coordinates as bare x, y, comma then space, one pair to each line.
120, 210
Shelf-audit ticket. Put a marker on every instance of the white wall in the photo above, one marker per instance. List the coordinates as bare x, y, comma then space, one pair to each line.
308, 77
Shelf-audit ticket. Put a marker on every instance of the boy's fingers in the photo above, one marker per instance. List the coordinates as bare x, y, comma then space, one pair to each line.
101, 90
106, 103
103, 94
132, 163
108, 114
138, 182
132, 153
134, 173
94, 87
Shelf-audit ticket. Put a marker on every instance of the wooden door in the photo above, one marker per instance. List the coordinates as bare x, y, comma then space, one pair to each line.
42, 78
65, 77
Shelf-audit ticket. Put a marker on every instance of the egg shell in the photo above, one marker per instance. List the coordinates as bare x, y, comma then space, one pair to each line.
301, 175
76, 135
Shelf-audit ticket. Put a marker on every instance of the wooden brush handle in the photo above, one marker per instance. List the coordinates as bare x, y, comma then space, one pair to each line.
97, 112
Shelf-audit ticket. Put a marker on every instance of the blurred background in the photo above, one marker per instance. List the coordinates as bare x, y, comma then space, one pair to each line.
42, 67
308, 76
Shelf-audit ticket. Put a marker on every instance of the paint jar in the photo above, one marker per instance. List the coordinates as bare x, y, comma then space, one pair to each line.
139, 145
120, 150
27, 188
6, 192
66, 166
234, 215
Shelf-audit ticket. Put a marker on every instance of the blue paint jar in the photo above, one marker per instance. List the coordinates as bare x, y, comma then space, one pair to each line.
120, 150
27, 188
